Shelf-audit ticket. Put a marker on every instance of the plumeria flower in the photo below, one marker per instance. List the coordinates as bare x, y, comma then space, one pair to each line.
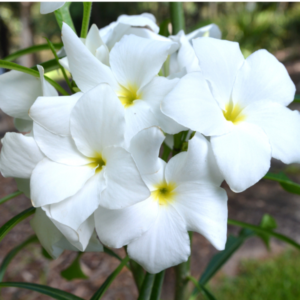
53, 241
87, 168
134, 65
185, 58
16, 102
241, 105
185, 195
19, 157
49, 7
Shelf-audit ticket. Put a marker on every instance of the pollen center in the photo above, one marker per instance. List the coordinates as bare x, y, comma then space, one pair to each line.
97, 162
128, 94
164, 193
233, 113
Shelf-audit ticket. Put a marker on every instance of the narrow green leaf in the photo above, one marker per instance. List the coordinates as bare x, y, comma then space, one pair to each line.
42, 289
48, 66
63, 15
201, 289
297, 99
164, 28
14, 221
74, 270
157, 285
87, 8
146, 289
258, 229
13, 66
267, 222
100, 292
10, 196
285, 182
46, 254
138, 273
177, 17
111, 253
31, 49
233, 243
7, 259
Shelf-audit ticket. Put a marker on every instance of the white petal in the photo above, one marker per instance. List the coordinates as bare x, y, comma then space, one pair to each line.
52, 182
219, 62
19, 155
128, 63
198, 164
281, 125
86, 69
192, 105
242, 155
145, 147
152, 180
204, 209
102, 53
49, 7
124, 183
138, 117
93, 40
23, 125
154, 93
65, 63
76, 209
18, 91
97, 121
262, 77
53, 113
47, 88
164, 245
118, 227
60, 149
211, 30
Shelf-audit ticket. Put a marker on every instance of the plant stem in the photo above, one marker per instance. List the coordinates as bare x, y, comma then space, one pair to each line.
138, 273
177, 17
158, 282
146, 289
87, 9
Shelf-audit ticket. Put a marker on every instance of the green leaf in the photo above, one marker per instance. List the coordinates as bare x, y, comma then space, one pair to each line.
158, 282
87, 8
297, 99
63, 15
74, 270
13, 66
233, 244
46, 254
146, 288
164, 28
267, 222
201, 289
260, 230
10, 196
285, 182
42, 289
111, 253
13, 253
48, 66
31, 49
14, 221
100, 292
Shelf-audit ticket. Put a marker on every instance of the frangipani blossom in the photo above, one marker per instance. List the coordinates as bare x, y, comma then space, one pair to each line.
134, 65
240, 104
18, 91
19, 156
49, 7
185, 195
87, 168
185, 57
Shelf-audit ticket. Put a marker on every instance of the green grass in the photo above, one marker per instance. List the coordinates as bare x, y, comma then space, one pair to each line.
275, 278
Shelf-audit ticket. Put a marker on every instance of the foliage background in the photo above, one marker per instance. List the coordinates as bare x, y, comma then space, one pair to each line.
272, 26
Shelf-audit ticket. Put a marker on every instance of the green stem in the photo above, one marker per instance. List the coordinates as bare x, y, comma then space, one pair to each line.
146, 289
87, 9
138, 273
177, 17
13, 195
158, 282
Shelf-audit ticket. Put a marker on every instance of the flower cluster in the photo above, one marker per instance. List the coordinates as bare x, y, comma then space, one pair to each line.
90, 162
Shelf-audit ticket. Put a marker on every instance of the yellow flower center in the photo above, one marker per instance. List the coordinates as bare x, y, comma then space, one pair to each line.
164, 193
128, 94
233, 113
97, 162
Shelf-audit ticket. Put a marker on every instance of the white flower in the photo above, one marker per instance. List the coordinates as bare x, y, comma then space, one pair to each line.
49, 7
185, 57
185, 195
53, 241
86, 165
135, 63
18, 91
240, 104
